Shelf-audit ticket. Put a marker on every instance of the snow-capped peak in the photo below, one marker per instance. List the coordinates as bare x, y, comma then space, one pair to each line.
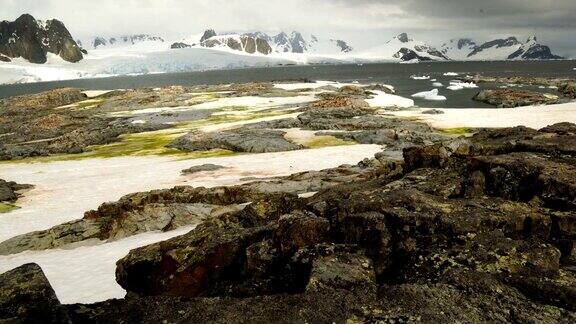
404, 48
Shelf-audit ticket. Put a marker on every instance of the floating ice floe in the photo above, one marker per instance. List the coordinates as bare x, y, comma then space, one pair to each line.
437, 84
450, 74
459, 85
423, 77
429, 95
433, 80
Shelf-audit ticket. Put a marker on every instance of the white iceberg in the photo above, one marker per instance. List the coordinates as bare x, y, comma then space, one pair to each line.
459, 85
416, 77
451, 74
429, 95
383, 99
437, 84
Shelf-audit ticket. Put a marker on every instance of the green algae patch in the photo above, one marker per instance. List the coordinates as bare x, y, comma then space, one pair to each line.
155, 142
7, 207
82, 105
325, 141
457, 131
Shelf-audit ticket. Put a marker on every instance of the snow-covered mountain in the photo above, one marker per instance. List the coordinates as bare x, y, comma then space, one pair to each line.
247, 43
458, 49
295, 42
404, 48
99, 42
33, 39
499, 49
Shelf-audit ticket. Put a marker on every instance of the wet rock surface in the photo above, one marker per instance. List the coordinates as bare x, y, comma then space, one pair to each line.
508, 98
478, 229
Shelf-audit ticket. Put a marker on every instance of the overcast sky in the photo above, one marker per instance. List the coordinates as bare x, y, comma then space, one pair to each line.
361, 22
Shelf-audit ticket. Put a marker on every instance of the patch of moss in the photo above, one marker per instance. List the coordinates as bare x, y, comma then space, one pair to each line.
456, 131
7, 207
325, 141
83, 105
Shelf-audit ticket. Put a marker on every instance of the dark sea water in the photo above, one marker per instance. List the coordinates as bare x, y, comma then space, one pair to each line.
394, 74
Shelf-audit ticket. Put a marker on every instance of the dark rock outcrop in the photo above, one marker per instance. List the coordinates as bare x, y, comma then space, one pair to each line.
27, 297
202, 168
406, 54
32, 40
497, 43
179, 45
507, 98
9, 189
236, 140
209, 33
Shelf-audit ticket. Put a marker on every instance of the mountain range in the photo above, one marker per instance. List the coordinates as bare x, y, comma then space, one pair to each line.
33, 39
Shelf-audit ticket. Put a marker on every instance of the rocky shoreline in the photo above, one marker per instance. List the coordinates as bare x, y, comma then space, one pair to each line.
559, 90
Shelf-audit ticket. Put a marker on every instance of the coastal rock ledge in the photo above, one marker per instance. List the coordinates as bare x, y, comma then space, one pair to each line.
469, 229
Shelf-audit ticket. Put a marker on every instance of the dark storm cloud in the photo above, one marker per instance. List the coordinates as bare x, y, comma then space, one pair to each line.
490, 13
363, 22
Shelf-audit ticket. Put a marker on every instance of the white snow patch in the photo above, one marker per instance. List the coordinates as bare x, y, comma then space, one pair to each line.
450, 74
86, 274
95, 93
423, 77
531, 116
91, 182
429, 95
383, 99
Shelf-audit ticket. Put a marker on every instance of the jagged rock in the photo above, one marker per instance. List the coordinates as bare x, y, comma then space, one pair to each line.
190, 265
524, 176
568, 89
237, 140
507, 98
406, 54
151, 217
27, 297
28, 38
344, 271
209, 33
300, 231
